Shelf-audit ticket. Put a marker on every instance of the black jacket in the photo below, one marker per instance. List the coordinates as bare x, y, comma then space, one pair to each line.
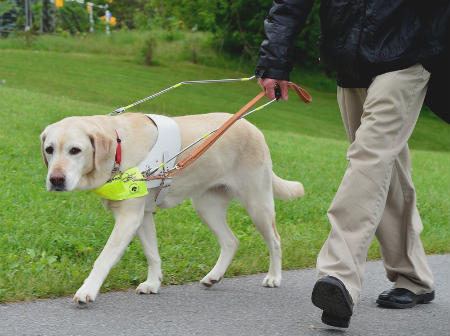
437, 98
359, 38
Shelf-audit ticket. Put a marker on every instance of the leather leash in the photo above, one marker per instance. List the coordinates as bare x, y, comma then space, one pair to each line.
305, 96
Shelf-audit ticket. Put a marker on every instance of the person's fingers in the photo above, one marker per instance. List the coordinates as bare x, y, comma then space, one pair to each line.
270, 92
269, 86
284, 89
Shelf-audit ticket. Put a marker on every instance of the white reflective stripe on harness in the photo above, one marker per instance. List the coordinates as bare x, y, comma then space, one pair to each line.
168, 144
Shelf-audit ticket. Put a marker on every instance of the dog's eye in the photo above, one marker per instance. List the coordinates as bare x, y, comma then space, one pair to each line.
49, 150
74, 150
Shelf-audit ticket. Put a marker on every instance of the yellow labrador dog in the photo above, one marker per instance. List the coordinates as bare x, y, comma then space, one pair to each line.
80, 153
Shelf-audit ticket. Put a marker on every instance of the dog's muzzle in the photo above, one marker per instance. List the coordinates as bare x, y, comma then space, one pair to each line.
58, 182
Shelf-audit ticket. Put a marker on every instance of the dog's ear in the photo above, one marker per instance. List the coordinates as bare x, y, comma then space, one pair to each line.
43, 136
104, 149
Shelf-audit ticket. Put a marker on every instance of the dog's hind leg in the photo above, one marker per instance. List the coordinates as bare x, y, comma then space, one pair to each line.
128, 214
258, 202
212, 208
147, 236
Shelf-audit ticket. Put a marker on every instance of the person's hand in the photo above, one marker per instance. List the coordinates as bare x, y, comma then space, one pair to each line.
268, 85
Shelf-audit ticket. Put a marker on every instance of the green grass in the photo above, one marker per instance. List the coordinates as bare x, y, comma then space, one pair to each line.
49, 241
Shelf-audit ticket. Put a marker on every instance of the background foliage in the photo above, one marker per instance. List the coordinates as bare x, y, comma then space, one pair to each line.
237, 25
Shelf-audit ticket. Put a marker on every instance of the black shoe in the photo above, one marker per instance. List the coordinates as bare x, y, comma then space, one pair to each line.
402, 298
330, 295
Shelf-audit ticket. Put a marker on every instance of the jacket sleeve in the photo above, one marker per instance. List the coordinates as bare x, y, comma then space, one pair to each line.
284, 22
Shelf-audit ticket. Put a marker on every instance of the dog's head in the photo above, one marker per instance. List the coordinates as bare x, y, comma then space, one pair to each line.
78, 152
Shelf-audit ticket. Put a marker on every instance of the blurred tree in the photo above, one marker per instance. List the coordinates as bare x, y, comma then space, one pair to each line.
19, 14
237, 24
47, 17
73, 17
8, 17
132, 13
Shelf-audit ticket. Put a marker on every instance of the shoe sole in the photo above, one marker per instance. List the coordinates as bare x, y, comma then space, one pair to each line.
421, 299
331, 296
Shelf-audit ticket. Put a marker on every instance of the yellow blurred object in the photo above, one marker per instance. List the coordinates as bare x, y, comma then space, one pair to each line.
112, 20
59, 3
110, 1
88, 8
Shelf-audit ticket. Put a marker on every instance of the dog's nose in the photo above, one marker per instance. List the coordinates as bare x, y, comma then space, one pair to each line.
58, 179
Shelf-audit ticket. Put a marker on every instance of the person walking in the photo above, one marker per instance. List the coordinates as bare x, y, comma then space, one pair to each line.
383, 52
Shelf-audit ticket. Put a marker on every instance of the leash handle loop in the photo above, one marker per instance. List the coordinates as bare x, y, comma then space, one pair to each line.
305, 96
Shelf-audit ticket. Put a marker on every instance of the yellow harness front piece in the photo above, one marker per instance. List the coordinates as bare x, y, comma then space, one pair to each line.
129, 184
123, 186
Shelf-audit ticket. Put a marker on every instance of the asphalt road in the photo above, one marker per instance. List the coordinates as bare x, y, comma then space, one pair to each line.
236, 306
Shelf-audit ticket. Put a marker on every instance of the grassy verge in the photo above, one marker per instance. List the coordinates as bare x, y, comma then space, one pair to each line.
110, 82
179, 46
48, 241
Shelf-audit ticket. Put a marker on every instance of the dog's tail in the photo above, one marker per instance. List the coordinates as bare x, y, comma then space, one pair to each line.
285, 190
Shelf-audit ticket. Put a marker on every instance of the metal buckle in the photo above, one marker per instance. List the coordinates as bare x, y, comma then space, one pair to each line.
116, 168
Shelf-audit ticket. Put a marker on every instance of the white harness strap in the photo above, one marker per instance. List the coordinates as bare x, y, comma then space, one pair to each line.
168, 143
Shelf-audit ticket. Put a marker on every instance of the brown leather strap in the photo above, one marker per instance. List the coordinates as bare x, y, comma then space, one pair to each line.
213, 138
305, 96
189, 159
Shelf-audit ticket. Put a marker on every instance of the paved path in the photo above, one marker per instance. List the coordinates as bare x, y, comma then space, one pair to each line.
236, 306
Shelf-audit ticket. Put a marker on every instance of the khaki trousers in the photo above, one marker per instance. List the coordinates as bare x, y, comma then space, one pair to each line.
377, 195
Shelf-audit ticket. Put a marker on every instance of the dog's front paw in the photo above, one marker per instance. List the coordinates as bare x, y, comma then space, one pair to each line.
84, 295
271, 281
148, 287
210, 280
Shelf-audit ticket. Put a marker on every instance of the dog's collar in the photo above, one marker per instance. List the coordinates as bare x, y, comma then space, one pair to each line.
117, 157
